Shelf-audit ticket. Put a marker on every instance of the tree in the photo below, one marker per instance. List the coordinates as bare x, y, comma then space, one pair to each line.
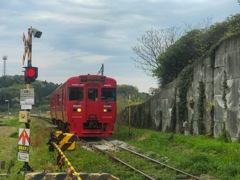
151, 45
124, 92
177, 57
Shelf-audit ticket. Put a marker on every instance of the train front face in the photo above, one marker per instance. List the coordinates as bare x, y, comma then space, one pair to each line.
92, 106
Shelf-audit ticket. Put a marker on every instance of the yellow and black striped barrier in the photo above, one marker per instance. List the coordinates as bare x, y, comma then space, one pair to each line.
74, 173
66, 141
62, 142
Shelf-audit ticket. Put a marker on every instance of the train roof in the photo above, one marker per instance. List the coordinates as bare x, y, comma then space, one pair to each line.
73, 78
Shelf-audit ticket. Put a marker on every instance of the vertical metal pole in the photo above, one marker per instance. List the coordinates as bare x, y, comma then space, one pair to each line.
129, 116
8, 110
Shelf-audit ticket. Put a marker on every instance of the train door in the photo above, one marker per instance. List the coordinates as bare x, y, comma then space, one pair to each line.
93, 104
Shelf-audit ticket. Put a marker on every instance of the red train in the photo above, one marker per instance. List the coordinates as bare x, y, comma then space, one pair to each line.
85, 105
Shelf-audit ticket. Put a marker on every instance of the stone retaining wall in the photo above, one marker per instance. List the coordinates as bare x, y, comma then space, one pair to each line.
222, 89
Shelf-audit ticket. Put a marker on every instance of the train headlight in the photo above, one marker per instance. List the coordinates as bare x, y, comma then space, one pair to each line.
107, 110
79, 110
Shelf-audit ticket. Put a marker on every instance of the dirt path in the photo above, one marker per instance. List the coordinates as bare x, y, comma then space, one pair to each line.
6, 131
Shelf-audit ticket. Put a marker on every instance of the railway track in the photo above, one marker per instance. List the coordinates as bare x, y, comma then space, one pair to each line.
96, 147
47, 119
103, 147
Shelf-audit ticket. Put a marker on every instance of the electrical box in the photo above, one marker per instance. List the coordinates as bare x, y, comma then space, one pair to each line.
24, 116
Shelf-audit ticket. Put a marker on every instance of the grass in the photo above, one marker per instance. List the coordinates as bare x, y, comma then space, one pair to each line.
194, 154
40, 159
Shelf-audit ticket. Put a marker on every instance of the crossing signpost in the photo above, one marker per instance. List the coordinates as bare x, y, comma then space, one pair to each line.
27, 100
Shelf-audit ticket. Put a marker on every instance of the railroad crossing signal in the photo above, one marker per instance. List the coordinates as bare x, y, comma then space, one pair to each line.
28, 44
31, 73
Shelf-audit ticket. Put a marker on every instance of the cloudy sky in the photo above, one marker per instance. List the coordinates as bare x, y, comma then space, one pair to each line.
81, 35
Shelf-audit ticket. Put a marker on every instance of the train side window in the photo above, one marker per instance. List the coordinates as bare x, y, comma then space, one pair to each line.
92, 94
109, 94
75, 93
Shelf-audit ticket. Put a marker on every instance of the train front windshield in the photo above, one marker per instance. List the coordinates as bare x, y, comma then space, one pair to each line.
75, 94
109, 94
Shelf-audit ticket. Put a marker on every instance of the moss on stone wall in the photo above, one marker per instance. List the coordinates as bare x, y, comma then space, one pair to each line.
201, 107
185, 80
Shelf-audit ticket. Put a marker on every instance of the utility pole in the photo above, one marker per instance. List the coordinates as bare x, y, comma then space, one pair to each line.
129, 116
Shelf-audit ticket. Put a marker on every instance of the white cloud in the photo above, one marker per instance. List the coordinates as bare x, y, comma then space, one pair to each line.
79, 35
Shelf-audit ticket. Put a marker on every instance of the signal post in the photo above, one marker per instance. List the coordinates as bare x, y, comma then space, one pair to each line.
27, 100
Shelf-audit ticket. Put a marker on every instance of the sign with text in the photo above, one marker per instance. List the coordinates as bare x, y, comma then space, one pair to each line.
27, 96
23, 153
25, 106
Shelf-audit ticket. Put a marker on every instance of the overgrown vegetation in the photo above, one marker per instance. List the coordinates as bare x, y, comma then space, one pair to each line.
183, 86
225, 87
10, 90
192, 46
199, 155
201, 107
129, 95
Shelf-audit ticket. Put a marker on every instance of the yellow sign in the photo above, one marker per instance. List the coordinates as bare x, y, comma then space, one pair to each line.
24, 116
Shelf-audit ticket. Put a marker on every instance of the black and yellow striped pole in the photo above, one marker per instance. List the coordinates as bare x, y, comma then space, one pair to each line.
29, 64
73, 171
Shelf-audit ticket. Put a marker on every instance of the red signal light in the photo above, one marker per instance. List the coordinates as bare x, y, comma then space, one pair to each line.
31, 73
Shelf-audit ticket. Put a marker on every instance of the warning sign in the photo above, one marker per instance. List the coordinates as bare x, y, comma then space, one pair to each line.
23, 144
24, 137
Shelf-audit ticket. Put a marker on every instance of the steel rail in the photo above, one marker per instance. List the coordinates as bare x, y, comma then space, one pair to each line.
160, 163
47, 119
118, 160
154, 161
